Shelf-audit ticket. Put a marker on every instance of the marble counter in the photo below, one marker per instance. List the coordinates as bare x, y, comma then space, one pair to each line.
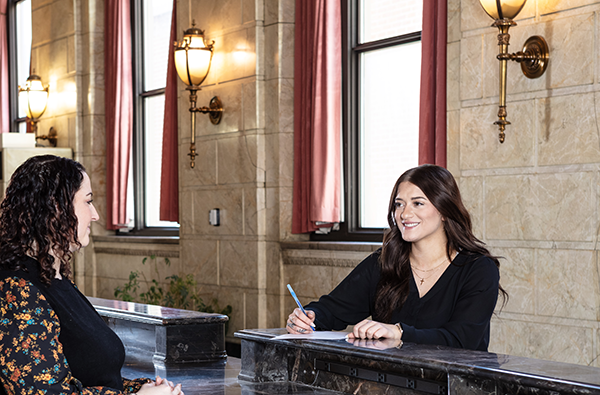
411, 369
164, 335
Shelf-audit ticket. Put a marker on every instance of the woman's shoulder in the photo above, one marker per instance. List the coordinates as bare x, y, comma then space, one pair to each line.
474, 258
371, 261
18, 293
477, 264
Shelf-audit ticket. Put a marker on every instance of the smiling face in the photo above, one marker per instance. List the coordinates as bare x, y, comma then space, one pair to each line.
84, 210
416, 217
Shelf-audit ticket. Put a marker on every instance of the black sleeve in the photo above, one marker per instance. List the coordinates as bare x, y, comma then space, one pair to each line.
352, 300
469, 323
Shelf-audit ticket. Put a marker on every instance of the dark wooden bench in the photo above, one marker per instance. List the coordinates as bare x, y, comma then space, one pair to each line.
164, 335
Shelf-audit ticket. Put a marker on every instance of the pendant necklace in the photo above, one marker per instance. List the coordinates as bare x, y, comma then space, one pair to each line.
422, 279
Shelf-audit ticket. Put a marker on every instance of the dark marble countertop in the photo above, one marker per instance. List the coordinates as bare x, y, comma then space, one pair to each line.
153, 314
218, 379
526, 371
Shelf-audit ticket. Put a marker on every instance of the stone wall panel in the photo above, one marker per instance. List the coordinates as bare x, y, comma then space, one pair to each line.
471, 81
237, 160
204, 254
567, 284
238, 263
518, 278
540, 207
472, 194
230, 203
568, 130
570, 344
204, 172
452, 72
479, 145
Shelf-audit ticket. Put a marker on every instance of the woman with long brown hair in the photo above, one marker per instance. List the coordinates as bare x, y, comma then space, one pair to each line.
432, 282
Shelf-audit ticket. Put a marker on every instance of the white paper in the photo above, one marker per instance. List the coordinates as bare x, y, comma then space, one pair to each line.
317, 335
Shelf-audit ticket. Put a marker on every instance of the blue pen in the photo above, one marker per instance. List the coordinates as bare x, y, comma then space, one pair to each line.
299, 305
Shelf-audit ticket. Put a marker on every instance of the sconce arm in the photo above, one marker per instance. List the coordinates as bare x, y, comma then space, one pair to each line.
214, 110
52, 137
517, 57
533, 57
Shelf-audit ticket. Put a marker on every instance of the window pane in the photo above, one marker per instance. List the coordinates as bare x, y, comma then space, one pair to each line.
23, 47
381, 19
157, 32
389, 126
154, 108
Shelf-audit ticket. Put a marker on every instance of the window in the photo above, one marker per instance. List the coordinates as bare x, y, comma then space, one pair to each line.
20, 40
381, 82
151, 34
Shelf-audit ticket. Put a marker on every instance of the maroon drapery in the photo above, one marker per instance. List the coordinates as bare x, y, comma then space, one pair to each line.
118, 107
317, 114
169, 182
4, 89
432, 113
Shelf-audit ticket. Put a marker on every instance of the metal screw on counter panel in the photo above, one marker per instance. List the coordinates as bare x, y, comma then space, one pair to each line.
214, 217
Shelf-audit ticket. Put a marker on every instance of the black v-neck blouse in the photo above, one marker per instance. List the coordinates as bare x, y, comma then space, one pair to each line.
456, 311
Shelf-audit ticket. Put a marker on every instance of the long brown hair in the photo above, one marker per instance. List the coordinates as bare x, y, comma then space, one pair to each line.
37, 216
440, 188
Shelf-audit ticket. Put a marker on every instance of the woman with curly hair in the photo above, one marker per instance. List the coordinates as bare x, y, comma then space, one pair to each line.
432, 282
51, 338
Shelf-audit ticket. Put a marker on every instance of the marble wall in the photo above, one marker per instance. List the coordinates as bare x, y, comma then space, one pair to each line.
534, 198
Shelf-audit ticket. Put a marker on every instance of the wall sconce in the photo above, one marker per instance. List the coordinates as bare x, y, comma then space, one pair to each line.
533, 57
192, 61
35, 98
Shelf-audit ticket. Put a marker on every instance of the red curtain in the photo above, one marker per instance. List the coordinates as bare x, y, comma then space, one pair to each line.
432, 114
169, 182
4, 89
317, 114
118, 107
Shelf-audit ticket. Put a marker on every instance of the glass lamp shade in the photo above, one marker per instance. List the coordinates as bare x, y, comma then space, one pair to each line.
192, 57
34, 97
502, 9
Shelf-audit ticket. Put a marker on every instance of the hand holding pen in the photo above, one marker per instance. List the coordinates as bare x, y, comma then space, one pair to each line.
300, 321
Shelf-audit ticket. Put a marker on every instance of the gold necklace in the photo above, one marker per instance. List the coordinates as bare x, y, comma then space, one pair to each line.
429, 270
422, 279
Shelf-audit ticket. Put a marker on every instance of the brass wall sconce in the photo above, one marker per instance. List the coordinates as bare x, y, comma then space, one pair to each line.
52, 137
34, 96
192, 61
533, 57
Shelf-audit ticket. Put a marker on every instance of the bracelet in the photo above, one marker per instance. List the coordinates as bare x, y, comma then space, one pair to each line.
400, 329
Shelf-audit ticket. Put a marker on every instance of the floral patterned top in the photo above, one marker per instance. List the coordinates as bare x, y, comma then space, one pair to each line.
31, 355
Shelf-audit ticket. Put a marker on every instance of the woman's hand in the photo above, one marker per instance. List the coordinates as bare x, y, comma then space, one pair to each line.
160, 387
368, 329
298, 323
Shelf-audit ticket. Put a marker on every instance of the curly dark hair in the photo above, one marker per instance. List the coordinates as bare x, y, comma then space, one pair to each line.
441, 189
37, 215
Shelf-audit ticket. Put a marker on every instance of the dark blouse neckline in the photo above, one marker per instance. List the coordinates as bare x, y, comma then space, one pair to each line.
441, 282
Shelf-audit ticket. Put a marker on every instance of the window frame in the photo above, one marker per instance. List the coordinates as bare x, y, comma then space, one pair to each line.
13, 84
349, 229
138, 136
